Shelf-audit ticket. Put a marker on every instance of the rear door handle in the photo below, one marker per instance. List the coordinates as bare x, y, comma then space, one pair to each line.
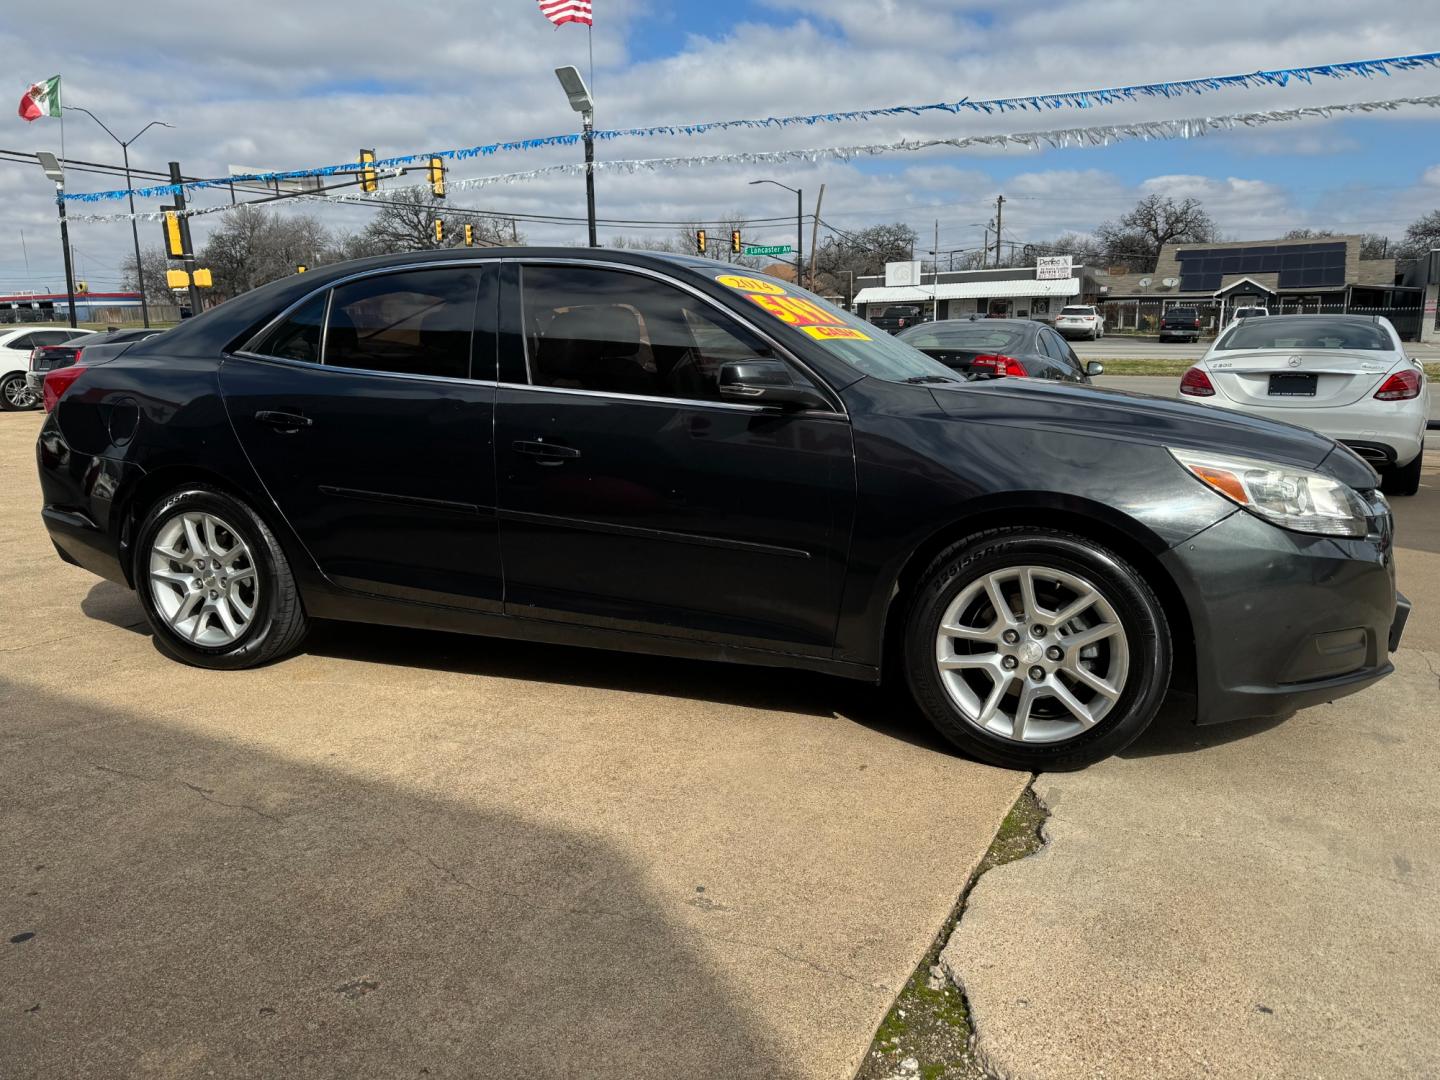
546, 453
285, 421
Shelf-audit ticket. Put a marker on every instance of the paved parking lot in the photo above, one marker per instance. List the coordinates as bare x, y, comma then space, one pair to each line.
1118, 347
403, 854
1257, 900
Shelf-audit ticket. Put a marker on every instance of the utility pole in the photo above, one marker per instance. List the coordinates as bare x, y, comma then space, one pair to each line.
187, 244
999, 211
815, 235
935, 278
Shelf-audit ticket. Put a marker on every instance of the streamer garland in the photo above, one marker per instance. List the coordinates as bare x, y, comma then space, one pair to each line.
1194, 127
1068, 99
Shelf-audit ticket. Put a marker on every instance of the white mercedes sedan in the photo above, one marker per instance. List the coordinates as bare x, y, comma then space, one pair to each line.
1346, 376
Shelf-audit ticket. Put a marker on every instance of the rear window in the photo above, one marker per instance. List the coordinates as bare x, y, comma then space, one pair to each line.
1305, 332
1077, 311
976, 337
1182, 313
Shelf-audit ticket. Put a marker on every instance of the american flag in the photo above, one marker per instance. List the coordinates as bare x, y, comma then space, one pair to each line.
560, 12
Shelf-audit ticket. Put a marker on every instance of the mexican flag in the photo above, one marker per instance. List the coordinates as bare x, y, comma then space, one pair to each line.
42, 99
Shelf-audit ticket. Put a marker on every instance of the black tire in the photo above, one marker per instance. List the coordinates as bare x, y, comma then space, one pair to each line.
8, 391
278, 623
1403, 479
1126, 591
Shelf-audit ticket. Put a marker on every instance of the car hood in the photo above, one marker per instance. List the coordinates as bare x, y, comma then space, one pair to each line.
1126, 416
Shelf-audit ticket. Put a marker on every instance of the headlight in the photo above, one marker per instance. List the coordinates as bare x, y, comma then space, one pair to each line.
1284, 495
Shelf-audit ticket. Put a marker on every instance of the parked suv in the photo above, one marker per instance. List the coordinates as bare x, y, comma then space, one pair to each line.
1080, 320
1180, 324
623, 450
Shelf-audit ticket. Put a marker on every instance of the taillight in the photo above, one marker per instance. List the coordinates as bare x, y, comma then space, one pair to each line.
1196, 383
1196, 324
1000, 365
1402, 386
57, 382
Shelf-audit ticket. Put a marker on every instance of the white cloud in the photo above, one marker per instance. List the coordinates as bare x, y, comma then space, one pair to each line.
308, 83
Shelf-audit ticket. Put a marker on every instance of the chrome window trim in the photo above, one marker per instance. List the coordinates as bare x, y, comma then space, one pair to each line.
684, 286
291, 362
689, 403
289, 309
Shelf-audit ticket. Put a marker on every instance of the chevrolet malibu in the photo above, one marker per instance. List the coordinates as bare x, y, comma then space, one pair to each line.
631, 451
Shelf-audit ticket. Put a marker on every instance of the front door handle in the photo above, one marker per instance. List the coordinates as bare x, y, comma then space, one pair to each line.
545, 453
284, 421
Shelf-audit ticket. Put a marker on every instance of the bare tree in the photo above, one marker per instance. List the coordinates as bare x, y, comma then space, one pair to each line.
1135, 238
153, 265
859, 253
253, 245
405, 221
1421, 236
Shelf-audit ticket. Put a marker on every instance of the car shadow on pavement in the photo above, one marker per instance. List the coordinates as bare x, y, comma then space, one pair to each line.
887, 710
1173, 731
177, 904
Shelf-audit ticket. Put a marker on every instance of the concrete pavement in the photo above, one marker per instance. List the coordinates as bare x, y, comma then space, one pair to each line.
404, 854
1169, 386
1116, 347
1254, 900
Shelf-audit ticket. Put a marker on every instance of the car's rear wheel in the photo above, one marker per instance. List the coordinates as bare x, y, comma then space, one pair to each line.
1403, 479
1037, 649
213, 582
15, 395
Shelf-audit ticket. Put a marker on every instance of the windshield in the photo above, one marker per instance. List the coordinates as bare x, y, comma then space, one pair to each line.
976, 336
1307, 332
866, 348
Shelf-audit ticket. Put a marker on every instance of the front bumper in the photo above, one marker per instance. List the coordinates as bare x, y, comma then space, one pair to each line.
1285, 620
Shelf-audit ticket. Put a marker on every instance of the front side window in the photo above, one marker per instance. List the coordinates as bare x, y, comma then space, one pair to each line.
414, 323
610, 331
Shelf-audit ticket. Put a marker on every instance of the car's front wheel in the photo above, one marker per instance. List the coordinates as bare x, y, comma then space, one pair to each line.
15, 395
1037, 649
214, 584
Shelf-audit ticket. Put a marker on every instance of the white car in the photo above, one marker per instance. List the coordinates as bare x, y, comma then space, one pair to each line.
1345, 376
15, 345
1080, 320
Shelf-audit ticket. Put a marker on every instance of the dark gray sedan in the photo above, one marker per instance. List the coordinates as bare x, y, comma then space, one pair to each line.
991, 348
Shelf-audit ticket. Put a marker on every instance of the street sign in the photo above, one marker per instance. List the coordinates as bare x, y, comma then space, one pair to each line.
770, 249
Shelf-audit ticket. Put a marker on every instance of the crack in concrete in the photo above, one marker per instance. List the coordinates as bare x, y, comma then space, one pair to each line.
205, 793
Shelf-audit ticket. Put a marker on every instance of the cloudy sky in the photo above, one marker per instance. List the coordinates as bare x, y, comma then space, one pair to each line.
291, 85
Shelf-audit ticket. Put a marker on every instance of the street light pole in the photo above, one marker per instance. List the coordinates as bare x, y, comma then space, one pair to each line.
51, 164
799, 227
130, 195
581, 101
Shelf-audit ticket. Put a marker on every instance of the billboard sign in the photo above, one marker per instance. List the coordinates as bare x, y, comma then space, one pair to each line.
1052, 268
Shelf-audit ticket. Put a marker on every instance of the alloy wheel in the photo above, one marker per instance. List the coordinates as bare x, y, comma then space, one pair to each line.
18, 395
1032, 654
203, 579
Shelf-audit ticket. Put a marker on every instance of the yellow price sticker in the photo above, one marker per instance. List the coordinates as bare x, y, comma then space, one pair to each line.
835, 333
750, 284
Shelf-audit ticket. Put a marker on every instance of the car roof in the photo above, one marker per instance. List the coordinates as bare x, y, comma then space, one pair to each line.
981, 320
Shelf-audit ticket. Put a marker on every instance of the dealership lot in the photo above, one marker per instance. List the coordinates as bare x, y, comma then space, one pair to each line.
404, 852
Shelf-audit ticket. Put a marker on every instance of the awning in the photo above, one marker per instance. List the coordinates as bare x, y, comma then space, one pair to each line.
966, 290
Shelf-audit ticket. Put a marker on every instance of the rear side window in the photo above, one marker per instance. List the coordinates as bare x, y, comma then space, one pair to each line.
54, 337
298, 337
413, 323
606, 330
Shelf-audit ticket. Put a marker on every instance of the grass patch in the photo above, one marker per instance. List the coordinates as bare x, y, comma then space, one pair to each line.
930, 1021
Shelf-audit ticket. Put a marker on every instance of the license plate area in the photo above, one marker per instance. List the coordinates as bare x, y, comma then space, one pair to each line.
1289, 384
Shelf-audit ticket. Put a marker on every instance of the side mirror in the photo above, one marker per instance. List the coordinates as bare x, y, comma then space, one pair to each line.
1094, 367
767, 382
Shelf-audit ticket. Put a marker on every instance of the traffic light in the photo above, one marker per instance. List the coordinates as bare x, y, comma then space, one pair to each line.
301, 268
177, 279
81, 286
735, 241
700, 241
439, 231
469, 235
369, 178
437, 177
174, 241
203, 278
